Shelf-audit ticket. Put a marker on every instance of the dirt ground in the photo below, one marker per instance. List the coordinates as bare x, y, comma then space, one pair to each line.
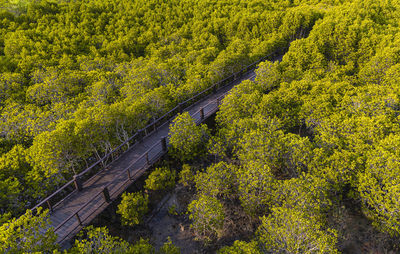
159, 224
177, 227
168, 219
356, 233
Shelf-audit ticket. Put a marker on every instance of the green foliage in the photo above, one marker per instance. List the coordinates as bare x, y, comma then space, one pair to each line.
256, 187
133, 207
309, 194
77, 78
241, 247
187, 139
291, 231
142, 247
286, 108
13, 188
160, 179
11, 87
99, 240
169, 248
239, 103
172, 210
264, 142
4, 218
317, 127
186, 175
28, 233
268, 75
207, 215
217, 181
378, 186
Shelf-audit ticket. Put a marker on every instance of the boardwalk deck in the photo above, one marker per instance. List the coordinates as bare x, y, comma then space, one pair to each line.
80, 207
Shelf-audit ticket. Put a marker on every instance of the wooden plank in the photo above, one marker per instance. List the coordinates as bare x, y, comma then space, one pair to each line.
88, 201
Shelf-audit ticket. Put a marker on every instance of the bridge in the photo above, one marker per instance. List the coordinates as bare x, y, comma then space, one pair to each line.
79, 201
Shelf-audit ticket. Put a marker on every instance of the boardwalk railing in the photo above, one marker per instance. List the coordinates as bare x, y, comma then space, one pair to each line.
147, 159
81, 217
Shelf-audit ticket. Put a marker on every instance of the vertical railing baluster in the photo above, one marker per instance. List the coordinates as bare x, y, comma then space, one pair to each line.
49, 205
77, 183
129, 173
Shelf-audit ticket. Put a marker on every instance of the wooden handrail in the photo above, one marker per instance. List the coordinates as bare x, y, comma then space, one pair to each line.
106, 187
47, 199
104, 158
52, 195
149, 162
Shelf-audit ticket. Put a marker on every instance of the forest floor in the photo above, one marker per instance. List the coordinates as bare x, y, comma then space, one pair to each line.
167, 219
356, 233
170, 220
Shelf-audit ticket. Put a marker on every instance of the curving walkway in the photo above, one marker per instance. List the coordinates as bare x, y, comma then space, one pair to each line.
79, 207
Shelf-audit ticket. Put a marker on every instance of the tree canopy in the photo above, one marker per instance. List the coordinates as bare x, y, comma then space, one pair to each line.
77, 78
313, 134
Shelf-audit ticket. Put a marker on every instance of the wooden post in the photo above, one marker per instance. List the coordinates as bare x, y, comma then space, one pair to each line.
79, 219
78, 183
145, 131
164, 144
142, 134
147, 158
202, 113
215, 88
129, 173
49, 205
106, 195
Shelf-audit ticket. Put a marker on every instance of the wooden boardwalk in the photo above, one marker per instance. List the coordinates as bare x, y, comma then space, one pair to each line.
91, 193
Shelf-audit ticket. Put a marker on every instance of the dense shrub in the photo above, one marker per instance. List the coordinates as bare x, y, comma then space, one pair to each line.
160, 179
187, 139
169, 248
186, 175
133, 207
207, 215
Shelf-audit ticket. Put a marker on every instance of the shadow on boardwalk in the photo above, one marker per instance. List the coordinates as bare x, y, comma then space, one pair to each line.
94, 195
